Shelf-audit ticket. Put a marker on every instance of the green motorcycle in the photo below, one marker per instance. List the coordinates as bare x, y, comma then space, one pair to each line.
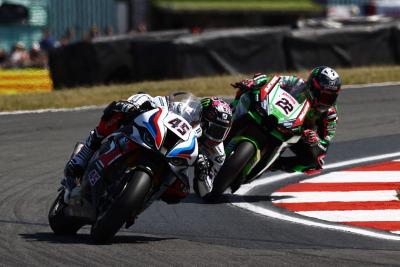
266, 122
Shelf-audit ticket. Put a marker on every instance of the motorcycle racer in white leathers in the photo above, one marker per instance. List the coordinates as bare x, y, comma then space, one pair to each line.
212, 124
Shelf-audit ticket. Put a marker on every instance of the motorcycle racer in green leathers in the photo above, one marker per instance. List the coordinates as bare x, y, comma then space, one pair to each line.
321, 89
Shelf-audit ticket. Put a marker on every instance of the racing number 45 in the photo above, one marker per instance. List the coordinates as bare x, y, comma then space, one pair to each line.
179, 125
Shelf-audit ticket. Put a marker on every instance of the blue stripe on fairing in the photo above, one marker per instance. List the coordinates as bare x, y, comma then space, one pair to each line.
150, 126
184, 150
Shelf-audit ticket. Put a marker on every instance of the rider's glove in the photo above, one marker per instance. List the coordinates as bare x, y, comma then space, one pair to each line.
146, 106
202, 167
244, 85
251, 84
310, 137
119, 106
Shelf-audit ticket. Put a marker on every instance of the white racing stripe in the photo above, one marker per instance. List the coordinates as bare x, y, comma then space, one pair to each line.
396, 232
344, 228
303, 197
356, 177
269, 179
244, 190
354, 215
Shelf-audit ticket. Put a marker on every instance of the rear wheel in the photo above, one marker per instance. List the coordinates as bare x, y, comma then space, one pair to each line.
231, 170
59, 222
128, 203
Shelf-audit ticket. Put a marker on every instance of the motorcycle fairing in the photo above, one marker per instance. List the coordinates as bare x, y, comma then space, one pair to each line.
283, 105
178, 126
156, 121
268, 87
153, 121
187, 149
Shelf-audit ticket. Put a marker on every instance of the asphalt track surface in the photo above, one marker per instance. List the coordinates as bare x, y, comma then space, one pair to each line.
34, 148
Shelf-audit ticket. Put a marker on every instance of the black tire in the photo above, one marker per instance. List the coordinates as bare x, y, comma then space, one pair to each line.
231, 170
128, 203
59, 222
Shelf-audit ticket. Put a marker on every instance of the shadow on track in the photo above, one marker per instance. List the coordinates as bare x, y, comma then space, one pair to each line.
85, 238
23, 223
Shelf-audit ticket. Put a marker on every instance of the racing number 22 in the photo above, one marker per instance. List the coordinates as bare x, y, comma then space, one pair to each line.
179, 125
285, 105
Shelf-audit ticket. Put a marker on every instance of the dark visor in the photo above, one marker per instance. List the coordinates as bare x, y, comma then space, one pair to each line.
216, 132
327, 99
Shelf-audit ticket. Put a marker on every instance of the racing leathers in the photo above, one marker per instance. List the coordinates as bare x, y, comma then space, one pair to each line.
210, 159
319, 125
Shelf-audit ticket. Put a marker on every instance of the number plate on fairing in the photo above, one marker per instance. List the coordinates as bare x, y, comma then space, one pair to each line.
178, 126
285, 103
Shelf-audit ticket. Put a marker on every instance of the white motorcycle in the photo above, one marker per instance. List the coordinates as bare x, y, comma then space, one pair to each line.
132, 168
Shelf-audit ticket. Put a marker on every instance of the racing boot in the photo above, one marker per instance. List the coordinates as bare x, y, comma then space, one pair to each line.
202, 183
76, 166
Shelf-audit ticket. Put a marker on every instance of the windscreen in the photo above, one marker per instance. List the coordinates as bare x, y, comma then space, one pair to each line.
298, 92
186, 105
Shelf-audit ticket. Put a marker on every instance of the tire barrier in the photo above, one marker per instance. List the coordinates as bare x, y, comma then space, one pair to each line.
180, 54
16, 81
348, 47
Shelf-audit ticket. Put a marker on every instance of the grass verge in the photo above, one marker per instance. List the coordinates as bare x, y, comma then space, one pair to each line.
218, 85
261, 5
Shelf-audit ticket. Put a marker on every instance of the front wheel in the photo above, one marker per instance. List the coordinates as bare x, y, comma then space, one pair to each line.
231, 170
59, 222
128, 203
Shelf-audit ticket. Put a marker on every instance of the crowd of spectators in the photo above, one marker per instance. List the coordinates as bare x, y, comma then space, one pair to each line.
35, 55
21, 57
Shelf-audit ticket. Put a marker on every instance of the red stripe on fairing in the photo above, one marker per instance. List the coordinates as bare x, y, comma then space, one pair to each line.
383, 225
337, 205
155, 122
302, 114
184, 156
385, 166
267, 88
339, 187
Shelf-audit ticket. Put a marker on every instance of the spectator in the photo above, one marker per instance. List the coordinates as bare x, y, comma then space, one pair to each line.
70, 34
19, 56
142, 27
108, 31
93, 32
86, 37
48, 42
64, 40
38, 58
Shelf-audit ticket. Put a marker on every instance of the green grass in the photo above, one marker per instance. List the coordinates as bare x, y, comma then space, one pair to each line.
218, 85
288, 5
